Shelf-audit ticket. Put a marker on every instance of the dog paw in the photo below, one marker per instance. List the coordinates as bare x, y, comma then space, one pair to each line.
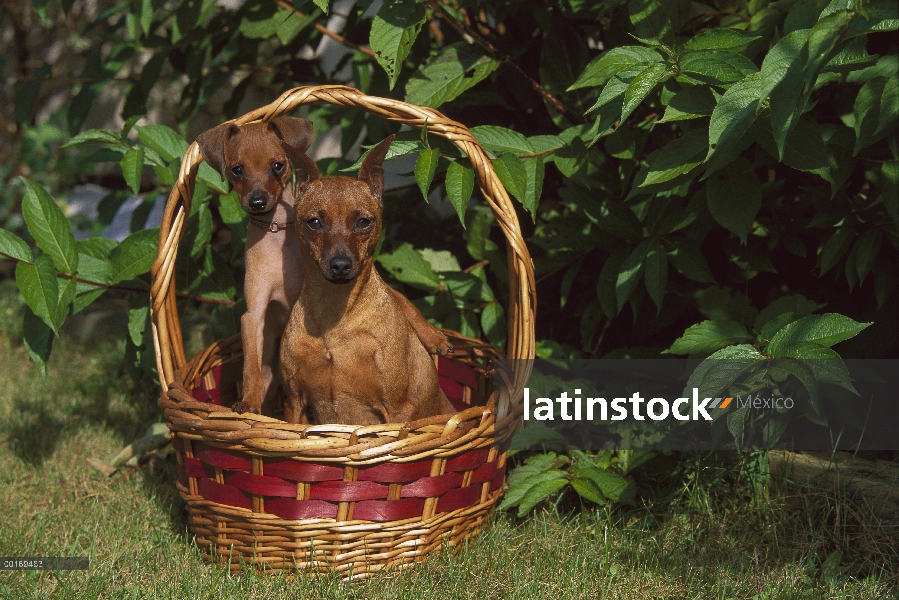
244, 407
439, 345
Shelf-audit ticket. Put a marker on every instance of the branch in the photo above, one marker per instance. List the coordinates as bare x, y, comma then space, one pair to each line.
124, 288
499, 55
331, 34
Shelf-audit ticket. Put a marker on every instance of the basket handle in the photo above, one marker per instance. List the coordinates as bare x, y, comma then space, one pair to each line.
166, 327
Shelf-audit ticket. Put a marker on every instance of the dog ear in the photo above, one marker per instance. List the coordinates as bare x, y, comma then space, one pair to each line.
294, 131
372, 170
304, 167
212, 146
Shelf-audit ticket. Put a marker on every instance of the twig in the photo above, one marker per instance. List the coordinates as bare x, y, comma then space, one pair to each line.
331, 34
499, 55
124, 288
480, 263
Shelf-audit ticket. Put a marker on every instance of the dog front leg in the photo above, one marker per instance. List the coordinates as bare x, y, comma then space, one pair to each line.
254, 384
431, 338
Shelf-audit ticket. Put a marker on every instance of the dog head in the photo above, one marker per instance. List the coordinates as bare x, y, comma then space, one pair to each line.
254, 157
338, 218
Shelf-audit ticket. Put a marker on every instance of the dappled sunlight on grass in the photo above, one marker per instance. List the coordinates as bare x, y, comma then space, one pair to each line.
703, 540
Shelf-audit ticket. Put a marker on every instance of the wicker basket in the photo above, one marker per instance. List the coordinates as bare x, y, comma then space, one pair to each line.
339, 497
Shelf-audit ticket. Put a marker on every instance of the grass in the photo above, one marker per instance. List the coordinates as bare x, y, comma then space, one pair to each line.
713, 531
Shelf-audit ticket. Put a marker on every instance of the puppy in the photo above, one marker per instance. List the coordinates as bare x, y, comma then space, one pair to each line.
349, 354
254, 159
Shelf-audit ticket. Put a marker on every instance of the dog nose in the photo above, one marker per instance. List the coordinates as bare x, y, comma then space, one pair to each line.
340, 266
257, 202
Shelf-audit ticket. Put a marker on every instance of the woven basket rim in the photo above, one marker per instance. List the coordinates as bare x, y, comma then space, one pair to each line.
498, 420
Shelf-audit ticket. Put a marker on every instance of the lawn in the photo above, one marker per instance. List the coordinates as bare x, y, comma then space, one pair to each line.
703, 528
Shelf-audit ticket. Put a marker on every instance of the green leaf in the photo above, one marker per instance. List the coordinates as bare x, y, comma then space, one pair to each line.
642, 85
650, 19
456, 68
780, 368
67, 289
717, 372
530, 435
203, 220
834, 248
477, 233
691, 103
546, 144
709, 336
262, 29
875, 112
783, 61
612, 485
827, 329
425, 167
655, 273
770, 329
732, 40
533, 184
393, 30
294, 24
14, 247
889, 186
230, 210
134, 255
137, 321
889, 106
459, 186
499, 139
796, 304
396, 148
866, 251
513, 175
803, 15
588, 490
734, 198
163, 140
146, 16
687, 260
49, 227
493, 323
823, 38
37, 282
716, 68
678, 157
212, 178
629, 274
826, 365
410, 267
38, 339
608, 279
322, 4
546, 483
442, 261
732, 118
804, 149
608, 64
97, 136
132, 168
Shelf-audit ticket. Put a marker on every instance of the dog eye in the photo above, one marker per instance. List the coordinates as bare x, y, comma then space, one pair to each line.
314, 223
363, 223
237, 171
277, 168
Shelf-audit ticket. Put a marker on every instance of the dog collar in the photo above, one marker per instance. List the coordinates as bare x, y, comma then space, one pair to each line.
272, 226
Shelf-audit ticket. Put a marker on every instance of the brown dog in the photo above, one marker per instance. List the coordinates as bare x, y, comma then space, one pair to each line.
349, 354
253, 158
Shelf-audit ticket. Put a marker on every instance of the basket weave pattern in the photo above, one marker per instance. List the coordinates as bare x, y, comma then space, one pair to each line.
351, 498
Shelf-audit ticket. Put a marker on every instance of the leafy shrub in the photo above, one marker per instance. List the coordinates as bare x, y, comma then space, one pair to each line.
679, 165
